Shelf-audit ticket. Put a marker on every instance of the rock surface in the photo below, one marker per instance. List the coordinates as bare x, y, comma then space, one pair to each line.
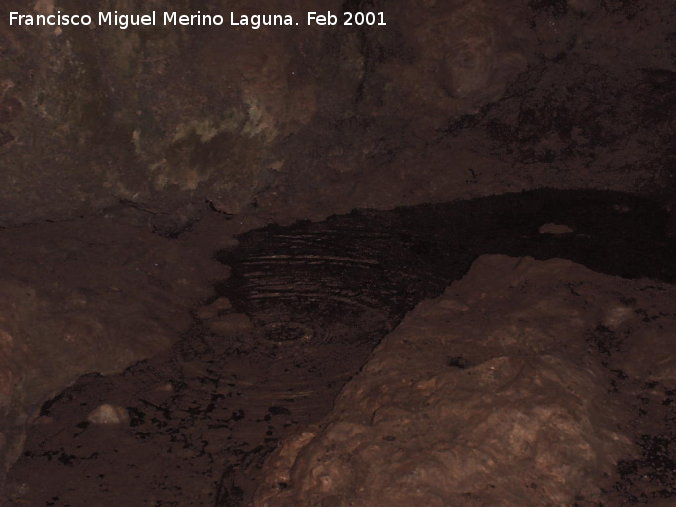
450, 100
90, 295
108, 414
503, 391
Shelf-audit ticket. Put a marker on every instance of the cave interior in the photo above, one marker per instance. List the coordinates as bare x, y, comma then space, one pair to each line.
338, 253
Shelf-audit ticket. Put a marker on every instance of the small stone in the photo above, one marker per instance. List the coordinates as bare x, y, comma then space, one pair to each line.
108, 414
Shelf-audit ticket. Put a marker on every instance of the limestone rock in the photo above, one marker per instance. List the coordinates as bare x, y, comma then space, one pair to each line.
495, 393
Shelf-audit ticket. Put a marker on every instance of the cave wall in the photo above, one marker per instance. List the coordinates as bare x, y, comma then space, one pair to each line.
452, 99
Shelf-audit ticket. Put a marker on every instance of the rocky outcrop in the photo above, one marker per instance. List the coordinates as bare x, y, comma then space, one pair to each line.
503, 391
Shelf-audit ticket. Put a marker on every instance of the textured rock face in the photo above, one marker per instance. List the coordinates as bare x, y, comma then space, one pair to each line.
103, 114
450, 100
92, 296
496, 393
464, 55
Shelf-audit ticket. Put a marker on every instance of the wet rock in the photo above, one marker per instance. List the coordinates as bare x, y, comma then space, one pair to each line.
351, 278
492, 394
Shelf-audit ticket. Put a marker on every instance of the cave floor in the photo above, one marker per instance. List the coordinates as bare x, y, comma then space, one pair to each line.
268, 352
202, 419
